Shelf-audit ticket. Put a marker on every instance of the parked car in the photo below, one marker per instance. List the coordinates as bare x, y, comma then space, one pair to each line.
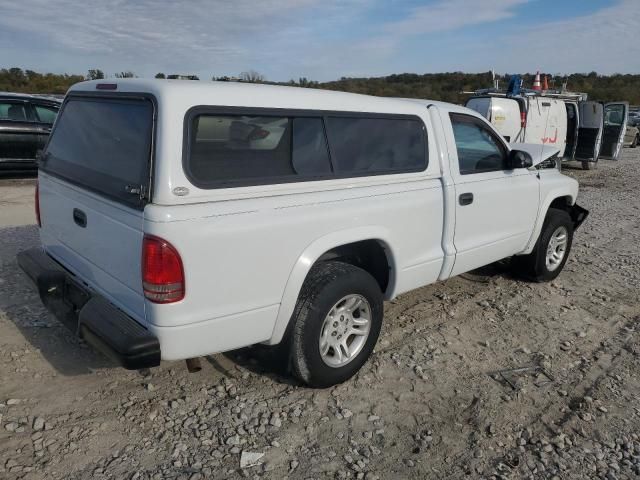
25, 123
159, 243
632, 133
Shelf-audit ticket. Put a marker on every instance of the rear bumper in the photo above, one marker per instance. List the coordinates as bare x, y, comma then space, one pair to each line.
89, 315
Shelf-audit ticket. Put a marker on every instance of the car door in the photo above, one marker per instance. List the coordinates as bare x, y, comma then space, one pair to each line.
615, 125
496, 207
18, 139
44, 114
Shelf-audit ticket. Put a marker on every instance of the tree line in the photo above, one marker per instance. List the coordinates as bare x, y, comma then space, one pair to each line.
447, 87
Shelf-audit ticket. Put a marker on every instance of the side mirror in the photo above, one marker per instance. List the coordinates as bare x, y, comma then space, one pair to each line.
519, 159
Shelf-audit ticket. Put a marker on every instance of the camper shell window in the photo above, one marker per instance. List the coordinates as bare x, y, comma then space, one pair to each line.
234, 146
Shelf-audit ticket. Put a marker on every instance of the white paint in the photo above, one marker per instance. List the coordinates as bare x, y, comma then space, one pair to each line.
546, 119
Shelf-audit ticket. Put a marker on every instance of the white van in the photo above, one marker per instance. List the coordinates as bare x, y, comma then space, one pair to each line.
179, 219
582, 130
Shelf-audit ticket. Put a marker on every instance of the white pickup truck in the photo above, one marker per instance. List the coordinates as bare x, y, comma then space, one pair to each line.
179, 219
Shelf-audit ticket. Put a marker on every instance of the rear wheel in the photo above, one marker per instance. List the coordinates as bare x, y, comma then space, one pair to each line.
636, 139
551, 252
335, 324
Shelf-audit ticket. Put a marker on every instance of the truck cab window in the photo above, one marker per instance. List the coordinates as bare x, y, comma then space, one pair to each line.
479, 150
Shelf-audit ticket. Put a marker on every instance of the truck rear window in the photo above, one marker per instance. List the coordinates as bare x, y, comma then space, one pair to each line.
103, 144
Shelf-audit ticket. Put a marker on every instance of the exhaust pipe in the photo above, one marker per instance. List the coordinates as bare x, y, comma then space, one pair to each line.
193, 365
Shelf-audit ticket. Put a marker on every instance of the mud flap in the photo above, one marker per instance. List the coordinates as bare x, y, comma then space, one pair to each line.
578, 215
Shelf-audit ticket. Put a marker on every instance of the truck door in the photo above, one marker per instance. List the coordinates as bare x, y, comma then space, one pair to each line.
590, 131
556, 127
495, 207
615, 125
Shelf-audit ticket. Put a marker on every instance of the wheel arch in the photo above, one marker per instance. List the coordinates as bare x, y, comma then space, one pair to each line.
560, 198
365, 243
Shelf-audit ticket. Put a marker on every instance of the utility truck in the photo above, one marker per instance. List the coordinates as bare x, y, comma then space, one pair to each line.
180, 219
582, 130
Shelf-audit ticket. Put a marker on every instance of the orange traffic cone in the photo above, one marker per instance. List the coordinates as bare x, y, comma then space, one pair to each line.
545, 84
536, 82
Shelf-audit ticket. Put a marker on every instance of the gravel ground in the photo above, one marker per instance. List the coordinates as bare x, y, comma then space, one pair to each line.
431, 403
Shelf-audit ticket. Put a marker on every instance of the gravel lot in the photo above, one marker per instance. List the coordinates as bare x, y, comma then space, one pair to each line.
429, 404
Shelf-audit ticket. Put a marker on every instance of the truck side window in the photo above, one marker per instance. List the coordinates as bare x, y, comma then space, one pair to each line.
249, 150
479, 150
231, 150
377, 145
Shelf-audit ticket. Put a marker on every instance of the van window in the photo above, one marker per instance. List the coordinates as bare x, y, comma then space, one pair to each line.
479, 149
376, 145
249, 150
103, 144
614, 115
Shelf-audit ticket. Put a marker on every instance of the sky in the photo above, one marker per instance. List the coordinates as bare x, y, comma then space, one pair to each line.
320, 39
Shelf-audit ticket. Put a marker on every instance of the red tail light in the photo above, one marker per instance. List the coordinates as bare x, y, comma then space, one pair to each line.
523, 119
162, 272
37, 204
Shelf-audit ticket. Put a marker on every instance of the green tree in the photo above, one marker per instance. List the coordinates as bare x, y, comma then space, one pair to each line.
127, 74
95, 74
252, 76
160, 75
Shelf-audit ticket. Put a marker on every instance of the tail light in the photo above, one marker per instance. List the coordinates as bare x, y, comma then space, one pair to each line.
162, 272
37, 204
523, 119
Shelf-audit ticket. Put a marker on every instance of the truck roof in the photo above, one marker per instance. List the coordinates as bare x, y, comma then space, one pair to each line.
190, 94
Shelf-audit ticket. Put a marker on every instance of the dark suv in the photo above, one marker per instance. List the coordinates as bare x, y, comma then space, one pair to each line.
25, 123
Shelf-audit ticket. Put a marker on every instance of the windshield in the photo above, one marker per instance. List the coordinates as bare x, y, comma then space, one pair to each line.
103, 144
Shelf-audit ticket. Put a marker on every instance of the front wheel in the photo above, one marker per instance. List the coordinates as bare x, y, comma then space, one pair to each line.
636, 139
551, 252
335, 324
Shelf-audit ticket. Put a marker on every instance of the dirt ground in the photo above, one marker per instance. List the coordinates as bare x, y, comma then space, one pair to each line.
431, 402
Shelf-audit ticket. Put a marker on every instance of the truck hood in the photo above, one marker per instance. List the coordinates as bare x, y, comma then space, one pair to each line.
538, 151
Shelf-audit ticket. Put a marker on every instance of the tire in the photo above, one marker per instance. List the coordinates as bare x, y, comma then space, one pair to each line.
586, 165
536, 266
636, 139
326, 285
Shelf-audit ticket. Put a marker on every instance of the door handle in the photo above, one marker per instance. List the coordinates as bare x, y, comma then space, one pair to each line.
465, 199
79, 217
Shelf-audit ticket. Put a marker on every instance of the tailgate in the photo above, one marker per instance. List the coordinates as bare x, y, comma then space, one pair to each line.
93, 183
106, 252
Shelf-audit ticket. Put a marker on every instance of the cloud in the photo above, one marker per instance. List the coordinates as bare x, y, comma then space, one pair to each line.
448, 15
188, 34
605, 41
319, 39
